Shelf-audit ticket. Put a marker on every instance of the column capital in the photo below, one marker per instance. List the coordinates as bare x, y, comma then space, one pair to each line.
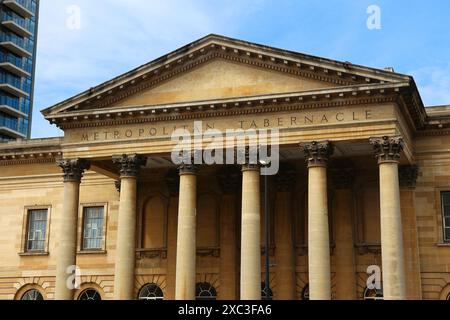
188, 168
250, 160
286, 178
229, 179
342, 177
408, 175
129, 165
317, 153
73, 169
387, 149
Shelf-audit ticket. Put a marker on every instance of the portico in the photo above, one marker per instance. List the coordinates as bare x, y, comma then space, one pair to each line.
338, 205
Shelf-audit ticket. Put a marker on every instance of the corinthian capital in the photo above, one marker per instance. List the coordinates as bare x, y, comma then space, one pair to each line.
387, 148
317, 153
129, 165
73, 169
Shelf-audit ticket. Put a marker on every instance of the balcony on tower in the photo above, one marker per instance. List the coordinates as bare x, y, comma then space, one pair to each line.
20, 46
25, 8
16, 23
14, 64
12, 84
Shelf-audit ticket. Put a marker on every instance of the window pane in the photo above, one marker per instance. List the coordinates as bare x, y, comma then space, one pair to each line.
32, 295
446, 210
90, 294
151, 292
93, 228
446, 198
37, 228
205, 291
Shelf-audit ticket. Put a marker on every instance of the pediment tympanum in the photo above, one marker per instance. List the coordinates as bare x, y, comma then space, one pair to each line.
220, 79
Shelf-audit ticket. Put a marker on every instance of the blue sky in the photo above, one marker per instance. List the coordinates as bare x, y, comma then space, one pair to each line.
115, 36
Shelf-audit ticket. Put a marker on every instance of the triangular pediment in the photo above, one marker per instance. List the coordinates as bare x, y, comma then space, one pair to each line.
221, 79
215, 68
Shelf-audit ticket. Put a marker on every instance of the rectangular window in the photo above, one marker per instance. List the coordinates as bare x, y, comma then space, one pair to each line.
93, 228
446, 215
37, 228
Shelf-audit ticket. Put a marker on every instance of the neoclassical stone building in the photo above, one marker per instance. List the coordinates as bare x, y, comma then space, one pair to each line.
374, 189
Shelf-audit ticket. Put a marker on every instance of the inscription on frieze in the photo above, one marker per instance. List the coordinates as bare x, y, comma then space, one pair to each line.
164, 130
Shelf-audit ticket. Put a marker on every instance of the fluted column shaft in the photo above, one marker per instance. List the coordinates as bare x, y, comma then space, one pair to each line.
67, 249
317, 155
251, 234
387, 151
186, 235
126, 231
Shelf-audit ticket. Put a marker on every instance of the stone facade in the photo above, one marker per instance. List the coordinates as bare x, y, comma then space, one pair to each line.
369, 193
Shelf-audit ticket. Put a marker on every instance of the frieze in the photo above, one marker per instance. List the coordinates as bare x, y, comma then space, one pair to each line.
260, 122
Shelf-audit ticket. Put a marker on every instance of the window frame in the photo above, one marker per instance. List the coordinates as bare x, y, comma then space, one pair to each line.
157, 286
26, 229
211, 289
81, 221
443, 225
84, 291
22, 298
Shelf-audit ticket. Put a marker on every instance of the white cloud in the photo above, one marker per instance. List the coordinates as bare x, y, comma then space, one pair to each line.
434, 84
116, 36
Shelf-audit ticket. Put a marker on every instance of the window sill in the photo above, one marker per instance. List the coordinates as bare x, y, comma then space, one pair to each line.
443, 244
31, 254
92, 252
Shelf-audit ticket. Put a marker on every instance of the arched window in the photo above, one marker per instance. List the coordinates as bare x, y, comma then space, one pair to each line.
373, 294
305, 292
264, 292
151, 292
32, 294
89, 294
205, 291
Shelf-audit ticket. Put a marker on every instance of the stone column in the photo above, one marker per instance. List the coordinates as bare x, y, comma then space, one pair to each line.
317, 155
251, 234
408, 176
387, 151
284, 243
67, 249
342, 177
186, 234
126, 232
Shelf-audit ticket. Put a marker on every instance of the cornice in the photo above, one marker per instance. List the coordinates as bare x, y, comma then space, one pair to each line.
31, 151
24, 160
431, 132
229, 107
